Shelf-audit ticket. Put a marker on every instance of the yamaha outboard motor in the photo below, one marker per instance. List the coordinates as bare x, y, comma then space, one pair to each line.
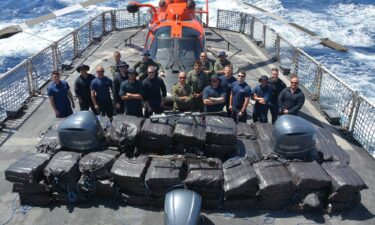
182, 207
294, 138
81, 132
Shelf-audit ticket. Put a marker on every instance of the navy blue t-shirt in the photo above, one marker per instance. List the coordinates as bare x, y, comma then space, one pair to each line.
239, 92
264, 92
102, 87
226, 83
209, 91
59, 92
132, 106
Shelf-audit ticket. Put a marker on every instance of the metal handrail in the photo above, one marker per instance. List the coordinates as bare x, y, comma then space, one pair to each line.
361, 110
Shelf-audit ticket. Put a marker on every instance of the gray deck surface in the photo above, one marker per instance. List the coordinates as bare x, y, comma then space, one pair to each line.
20, 137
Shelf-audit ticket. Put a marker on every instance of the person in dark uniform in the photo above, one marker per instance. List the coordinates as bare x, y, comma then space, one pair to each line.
214, 95
82, 88
262, 95
182, 94
101, 88
291, 99
239, 98
154, 93
131, 92
143, 65
120, 77
207, 66
277, 86
114, 69
198, 80
221, 62
60, 97
226, 81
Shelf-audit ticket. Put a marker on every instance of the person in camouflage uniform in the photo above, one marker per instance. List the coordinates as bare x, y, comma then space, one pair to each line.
182, 94
145, 63
198, 80
114, 68
208, 68
220, 63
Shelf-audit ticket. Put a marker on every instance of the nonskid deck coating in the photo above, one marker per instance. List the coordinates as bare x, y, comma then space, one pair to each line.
256, 63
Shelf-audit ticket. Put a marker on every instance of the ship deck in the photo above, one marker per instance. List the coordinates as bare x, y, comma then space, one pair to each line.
21, 135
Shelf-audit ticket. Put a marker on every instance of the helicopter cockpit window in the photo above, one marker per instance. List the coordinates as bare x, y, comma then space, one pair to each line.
176, 54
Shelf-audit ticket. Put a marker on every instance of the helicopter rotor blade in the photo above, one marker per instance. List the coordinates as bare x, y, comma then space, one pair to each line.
15, 29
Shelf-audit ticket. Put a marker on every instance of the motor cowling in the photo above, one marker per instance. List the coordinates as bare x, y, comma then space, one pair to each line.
294, 138
182, 207
81, 132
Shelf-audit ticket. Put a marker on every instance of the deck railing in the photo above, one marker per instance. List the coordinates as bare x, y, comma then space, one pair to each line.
357, 113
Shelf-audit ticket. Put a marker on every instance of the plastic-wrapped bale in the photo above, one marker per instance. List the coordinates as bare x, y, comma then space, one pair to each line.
34, 188
43, 199
266, 151
98, 164
49, 143
332, 152
71, 198
310, 178
105, 189
245, 130
129, 173
346, 186
239, 204
135, 200
164, 174
190, 134
263, 131
220, 130
248, 149
205, 178
28, 169
276, 187
124, 132
63, 172
155, 137
220, 151
240, 180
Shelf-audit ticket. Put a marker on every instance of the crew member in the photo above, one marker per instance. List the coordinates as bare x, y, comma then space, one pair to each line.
198, 80
82, 88
277, 85
226, 81
101, 93
207, 66
154, 92
239, 98
291, 99
143, 65
182, 94
114, 68
221, 62
131, 91
120, 77
262, 95
214, 95
60, 97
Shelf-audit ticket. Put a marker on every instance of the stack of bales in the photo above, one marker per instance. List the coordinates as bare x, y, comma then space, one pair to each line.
189, 136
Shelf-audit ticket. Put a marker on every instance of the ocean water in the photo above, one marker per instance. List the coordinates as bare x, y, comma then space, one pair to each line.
349, 22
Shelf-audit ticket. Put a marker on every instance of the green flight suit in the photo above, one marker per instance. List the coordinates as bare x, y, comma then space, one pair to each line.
178, 91
208, 66
142, 71
198, 81
220, 66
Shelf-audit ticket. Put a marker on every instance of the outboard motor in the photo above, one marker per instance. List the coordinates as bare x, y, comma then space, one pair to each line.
294, 138
182, 207
81, 132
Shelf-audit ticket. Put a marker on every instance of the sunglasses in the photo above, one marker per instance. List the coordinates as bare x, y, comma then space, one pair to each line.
241, 76
294, 82
151, 72
100, 71
182, 78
